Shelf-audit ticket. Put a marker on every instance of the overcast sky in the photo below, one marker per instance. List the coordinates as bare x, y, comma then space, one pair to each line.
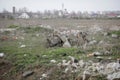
70, 5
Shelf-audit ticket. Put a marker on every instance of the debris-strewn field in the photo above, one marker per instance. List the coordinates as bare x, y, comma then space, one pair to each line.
59, 49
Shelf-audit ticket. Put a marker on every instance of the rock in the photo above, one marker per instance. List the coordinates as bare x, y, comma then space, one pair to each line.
54, 40
66, 70
74, 65
72, 58
99, 58
2, 55
66, 44
44, 75
66, 63
101, 42
105, 34
107, 53
92, 42
79, 78
86, 75
81, 63
53, 61
27, 73
97, 54
114, 76
114, 36
114, 66
75, 61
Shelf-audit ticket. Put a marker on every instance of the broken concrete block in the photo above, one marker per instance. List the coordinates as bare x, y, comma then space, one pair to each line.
67, 44
27, 73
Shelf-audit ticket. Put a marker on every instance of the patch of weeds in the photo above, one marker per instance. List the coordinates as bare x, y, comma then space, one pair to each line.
115, 51
13, 26
6, 32
115, 32
35, 29
100, 77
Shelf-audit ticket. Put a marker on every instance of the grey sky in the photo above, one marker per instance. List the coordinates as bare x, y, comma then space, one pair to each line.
70, 5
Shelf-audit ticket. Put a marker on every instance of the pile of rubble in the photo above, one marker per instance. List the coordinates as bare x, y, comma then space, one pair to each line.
109, 69
67, 38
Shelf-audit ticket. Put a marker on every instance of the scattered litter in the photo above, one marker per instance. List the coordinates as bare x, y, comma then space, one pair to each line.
2, 54
22, 46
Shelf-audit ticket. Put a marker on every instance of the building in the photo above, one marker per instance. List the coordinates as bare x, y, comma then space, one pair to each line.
24, 16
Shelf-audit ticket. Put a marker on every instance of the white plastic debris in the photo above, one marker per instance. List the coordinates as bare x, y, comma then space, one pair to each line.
22, 46
2, 54
44, 75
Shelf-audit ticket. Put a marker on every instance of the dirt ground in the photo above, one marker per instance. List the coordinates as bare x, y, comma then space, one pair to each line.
59, 23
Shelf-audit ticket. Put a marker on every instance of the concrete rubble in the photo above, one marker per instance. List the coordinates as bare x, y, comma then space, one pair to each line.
90, 68
27, 73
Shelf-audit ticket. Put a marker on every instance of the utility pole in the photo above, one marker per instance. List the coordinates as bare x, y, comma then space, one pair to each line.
62, 6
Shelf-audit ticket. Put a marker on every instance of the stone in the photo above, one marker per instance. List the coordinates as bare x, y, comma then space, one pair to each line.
97, 54
105, 34
44, 75
114, 36
81, 63
72, 58
54, 40
114, 66
86, 75
66, 44
92, 42
27, 73
114, 76
53, 61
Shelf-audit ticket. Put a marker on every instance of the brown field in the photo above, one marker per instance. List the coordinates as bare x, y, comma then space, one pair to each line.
57, 23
